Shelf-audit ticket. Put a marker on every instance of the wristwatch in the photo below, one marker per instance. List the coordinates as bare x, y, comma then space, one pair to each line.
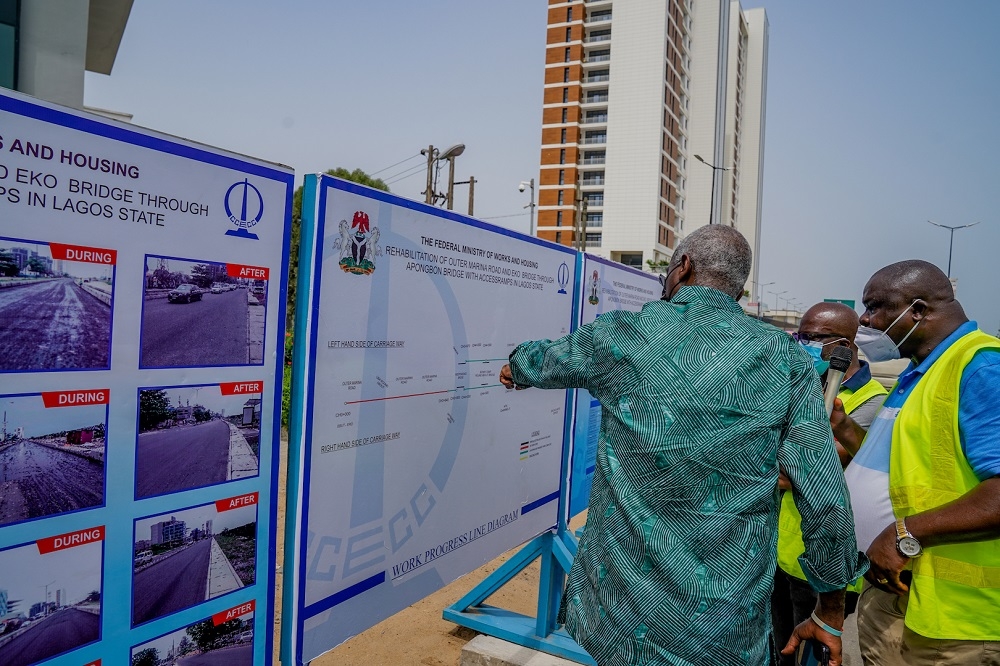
906, 543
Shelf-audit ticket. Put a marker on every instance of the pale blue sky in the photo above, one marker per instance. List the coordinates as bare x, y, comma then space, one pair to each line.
879, 117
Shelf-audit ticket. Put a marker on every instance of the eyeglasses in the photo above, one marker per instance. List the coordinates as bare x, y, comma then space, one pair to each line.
816, 337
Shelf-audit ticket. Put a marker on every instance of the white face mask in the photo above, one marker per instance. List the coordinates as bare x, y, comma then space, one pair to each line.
877, 345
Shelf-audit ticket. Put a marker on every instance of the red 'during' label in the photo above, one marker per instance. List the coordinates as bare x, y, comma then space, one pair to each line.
75, 398
70, 540
90, 255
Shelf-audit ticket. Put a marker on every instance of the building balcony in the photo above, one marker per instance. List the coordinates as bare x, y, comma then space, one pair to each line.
595, 140
600, 18
597, 78
594, 180
595, 99
604, 57
593, 243
594, 160
594, 202
595, 120
593, 39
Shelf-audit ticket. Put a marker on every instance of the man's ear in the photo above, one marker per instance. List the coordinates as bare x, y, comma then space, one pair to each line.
919, 310
685, 270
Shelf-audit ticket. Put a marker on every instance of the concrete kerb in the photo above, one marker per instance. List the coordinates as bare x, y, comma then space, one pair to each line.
222, 577
489, 651
99, 294
242, 461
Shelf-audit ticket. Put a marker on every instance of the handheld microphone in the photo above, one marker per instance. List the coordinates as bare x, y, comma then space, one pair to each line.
840, 361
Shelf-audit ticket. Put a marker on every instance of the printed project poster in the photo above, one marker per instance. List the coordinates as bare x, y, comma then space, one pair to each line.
605, 286
419, 465
141, 329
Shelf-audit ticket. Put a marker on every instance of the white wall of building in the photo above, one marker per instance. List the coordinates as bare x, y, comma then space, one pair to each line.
635, 128
707, 109
752, 144
53, 50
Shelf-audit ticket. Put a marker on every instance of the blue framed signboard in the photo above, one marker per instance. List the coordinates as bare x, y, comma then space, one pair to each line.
410, 464
142, 290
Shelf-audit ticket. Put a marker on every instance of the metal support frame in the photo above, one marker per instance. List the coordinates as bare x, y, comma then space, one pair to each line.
556, 549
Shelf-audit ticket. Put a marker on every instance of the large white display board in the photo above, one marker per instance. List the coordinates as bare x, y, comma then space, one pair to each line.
417, 465
604, 286
142, 300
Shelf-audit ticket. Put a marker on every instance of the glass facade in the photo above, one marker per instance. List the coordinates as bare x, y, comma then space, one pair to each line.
9, 19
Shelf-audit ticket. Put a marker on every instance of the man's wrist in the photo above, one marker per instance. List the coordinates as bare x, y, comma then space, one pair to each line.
830, 608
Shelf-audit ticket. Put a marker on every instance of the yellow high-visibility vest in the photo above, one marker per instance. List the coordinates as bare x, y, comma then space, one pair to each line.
955, 593
790, 544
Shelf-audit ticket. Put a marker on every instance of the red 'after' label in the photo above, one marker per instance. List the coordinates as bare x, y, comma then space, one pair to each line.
250, 272
90, 255
75, 398
233, 613
70, 540
239, 388
96, 662
236, 502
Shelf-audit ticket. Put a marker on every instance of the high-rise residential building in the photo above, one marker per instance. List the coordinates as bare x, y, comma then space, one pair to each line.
634, 90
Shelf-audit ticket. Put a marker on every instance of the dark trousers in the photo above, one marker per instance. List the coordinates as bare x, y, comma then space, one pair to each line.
792, 601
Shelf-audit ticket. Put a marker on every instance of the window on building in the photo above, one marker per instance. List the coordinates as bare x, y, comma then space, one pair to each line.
565, 95
559, 237
565, 74
9, 25
562, 176
562, 156
565, 114
569, 34
560, 200
562, 135
566, 55
569, 14
631, 259
559, 218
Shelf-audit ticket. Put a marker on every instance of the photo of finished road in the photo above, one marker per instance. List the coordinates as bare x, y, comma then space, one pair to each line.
202, 644
179, 458
210, 331
53, 323
181, 566
38, 480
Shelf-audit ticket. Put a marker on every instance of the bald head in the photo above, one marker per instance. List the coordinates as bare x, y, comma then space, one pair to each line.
830, 319
906, 281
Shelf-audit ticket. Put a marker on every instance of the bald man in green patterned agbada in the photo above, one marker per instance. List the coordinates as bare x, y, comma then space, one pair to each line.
701, 404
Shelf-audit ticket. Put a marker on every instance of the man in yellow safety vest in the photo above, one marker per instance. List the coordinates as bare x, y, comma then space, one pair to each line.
823, 327
925, 481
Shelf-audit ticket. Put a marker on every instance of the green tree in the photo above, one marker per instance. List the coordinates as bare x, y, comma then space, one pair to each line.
356, 176
201, 414
154, 408
206, 635
204, 275
36, 264
147, 657
8, 267
184, 645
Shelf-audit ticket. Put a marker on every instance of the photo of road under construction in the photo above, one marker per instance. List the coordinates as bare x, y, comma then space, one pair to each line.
55, 314
49, 603
51, 460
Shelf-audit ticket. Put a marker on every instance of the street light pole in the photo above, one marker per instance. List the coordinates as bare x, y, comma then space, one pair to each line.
760, 293
776, 294
711, 201
531, 203
951, 237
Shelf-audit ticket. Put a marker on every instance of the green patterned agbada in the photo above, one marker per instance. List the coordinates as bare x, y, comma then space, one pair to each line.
701, 403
